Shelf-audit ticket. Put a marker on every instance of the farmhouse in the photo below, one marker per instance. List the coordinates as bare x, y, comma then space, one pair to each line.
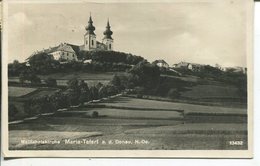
161, 63
181, 65
195, 66
236, 69
190, 66
68, 52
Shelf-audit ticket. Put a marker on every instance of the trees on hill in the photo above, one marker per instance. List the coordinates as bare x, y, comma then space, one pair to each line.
15, 68
79, 92
28, 76
42, 63
110, 57
51, 82
102, 61
143, 75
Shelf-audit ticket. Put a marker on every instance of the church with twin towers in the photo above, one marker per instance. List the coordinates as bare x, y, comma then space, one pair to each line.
66, 52
90, 42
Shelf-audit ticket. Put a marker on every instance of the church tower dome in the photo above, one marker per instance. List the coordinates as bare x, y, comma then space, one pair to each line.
90, 27
90, 42
107, 33
108, 40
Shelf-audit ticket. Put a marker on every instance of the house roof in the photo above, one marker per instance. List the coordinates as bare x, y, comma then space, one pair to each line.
182, 64
196, 64
160, 61
74, 47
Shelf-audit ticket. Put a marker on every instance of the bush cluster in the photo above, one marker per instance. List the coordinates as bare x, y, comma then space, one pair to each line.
77, 92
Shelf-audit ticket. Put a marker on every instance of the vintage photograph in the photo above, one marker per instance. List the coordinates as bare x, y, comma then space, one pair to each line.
132, 77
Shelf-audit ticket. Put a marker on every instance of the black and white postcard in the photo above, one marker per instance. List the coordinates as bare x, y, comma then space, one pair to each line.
168, 78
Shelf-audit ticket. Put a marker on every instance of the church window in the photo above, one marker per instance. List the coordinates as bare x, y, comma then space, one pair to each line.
110, 46
86, 42
92, 42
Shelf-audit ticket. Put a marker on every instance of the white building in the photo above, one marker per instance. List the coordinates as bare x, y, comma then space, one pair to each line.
161, 63
236, 69
66, 52
190, 66
195, 66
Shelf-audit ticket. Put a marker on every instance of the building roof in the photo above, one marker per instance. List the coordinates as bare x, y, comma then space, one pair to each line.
160, 61
74, 47
108, 32
49, 50
196, 64
186, 64
90, 27
182, 64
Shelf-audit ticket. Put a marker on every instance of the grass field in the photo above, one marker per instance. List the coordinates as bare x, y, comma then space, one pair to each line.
90, 78
26, 92
132, 123
125, 113
198, 128
153, 104
42, 92
132, 128
17, 96
78, 75
156, 134
89, 82
211, 91
19, 91
185, 78
82, 75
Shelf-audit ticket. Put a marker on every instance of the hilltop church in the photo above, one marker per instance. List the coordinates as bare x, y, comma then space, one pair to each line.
69, 52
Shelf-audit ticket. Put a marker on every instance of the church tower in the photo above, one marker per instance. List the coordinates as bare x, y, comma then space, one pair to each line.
108, 40
90, 37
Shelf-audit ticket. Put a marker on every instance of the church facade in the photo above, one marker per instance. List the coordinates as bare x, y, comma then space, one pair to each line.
66, 52
90, 42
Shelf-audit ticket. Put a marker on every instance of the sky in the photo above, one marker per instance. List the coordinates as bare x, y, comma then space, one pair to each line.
206, 32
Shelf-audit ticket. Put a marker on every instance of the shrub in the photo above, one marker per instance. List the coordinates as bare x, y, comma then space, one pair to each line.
51, 82
173, 93
94, 114
35, 80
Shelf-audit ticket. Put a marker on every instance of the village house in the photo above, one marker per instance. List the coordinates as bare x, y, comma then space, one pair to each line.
181, 65
236, 69
195, 66
161, 63
66, 52
190, 66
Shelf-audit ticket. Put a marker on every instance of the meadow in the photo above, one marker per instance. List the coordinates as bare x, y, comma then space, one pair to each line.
160, 134
160, 129
63, 78
153, 104
19, 91
163, 125
211, 91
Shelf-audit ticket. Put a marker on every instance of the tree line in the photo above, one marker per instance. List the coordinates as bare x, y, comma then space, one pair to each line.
102, 61
77, 92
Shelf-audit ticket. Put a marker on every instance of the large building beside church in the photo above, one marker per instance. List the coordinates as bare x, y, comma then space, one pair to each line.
69, 52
